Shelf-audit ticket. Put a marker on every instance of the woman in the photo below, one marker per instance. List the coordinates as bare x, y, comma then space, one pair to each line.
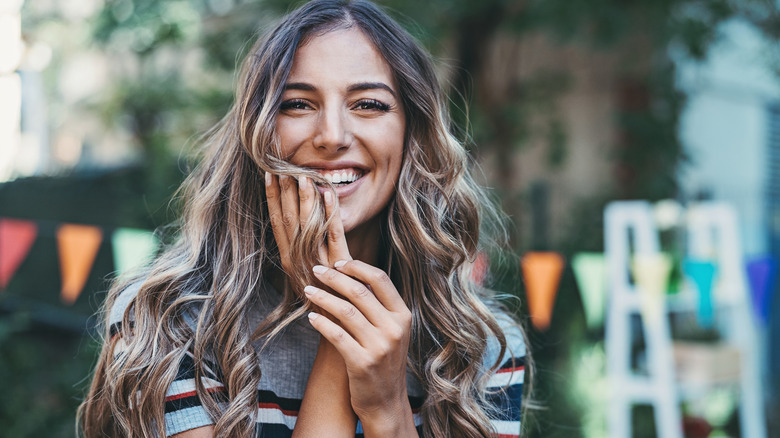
322, 282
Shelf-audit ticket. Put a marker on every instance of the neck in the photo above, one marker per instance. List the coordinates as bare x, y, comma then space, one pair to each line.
364, 242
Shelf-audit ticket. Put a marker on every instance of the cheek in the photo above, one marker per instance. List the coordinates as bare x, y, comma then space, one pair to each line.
291, 134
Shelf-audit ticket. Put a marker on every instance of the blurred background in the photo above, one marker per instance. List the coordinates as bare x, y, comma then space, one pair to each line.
571, 104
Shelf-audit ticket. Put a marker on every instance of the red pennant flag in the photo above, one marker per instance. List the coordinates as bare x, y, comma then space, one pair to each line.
16, 239
78, 245
542, 272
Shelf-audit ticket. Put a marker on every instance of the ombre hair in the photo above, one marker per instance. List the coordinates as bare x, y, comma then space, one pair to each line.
225, 252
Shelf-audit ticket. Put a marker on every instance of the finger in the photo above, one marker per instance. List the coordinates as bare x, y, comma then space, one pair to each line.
306, 195
381, 284
273, 198
289, 201
356, 292
337, 241
345, 312
346, 345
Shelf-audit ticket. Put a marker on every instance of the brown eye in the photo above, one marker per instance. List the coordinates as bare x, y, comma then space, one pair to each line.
294, 104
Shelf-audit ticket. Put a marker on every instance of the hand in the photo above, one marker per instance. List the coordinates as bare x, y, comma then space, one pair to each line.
372, 336
291, 208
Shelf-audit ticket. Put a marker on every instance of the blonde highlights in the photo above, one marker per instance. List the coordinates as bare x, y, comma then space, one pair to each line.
225, 252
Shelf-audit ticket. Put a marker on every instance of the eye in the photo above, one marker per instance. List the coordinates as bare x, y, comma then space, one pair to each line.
372, 105
294, 104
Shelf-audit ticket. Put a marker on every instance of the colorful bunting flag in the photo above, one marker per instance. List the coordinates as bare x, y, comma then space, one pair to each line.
16, 239
132, 248
651, 276
590, 271
78, 245
702, 273
542, 272
762, 273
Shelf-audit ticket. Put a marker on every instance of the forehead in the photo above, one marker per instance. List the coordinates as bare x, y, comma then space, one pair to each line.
341, 55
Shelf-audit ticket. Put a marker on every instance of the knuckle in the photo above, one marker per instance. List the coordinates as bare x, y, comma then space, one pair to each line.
360, 291
349, 311
288, 219
338, 336
381, 277
334, 237
396, 333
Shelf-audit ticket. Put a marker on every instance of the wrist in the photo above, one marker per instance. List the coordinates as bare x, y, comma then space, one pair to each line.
397, 421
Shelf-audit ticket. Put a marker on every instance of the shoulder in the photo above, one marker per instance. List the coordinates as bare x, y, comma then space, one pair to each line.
515, 343
121, 303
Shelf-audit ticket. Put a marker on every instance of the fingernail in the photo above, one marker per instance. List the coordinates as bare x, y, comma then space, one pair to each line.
309, 290
328, 198
312, 316
318, 269
340, 263
267, 179
303, 182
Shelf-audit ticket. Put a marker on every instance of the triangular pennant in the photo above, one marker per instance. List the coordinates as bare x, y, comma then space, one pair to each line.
590, 271
132, 248
702, 274
78, 245
762, 273
542, 272
651, 276
16, 239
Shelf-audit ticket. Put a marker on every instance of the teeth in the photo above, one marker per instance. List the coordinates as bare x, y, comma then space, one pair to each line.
341, 177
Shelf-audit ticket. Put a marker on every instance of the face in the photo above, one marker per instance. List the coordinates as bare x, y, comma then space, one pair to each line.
341, 115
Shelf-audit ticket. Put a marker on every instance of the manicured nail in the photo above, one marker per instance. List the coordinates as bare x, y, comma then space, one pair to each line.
318, 269
328, 198
303, 182
312, 316
267, 179
340, 263
309, 290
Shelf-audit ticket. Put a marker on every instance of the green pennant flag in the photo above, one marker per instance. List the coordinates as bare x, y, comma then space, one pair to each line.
132, 248
590, 270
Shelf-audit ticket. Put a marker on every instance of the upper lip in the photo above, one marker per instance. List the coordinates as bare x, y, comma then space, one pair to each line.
335, 165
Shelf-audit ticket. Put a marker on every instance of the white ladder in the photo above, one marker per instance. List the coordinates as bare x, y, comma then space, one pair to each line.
712, 233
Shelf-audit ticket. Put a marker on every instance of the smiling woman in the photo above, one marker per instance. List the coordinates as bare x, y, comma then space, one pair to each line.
321, 284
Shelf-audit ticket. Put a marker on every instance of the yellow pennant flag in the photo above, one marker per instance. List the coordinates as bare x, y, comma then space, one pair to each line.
651, 276
78, 245
541, 272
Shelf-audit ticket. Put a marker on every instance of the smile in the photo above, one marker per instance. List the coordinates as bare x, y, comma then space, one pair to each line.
341, 177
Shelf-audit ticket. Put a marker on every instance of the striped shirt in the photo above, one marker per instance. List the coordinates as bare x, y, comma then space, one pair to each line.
281, 388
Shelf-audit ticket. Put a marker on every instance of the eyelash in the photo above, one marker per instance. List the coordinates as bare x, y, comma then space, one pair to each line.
363, 104
372, 104
293, 104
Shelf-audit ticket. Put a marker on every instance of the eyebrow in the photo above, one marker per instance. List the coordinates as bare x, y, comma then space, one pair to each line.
360, 86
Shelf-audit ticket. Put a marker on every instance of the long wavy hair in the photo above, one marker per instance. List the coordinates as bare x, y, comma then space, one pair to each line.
225, 251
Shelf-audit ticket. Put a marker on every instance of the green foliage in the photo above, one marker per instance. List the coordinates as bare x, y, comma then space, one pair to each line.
42, 375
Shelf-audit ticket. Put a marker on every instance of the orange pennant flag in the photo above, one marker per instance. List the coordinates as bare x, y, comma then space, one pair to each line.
16, 239
78, 245
542, 272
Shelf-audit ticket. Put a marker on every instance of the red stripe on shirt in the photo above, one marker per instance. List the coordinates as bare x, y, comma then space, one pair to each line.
278, 408
511, 370
192, 393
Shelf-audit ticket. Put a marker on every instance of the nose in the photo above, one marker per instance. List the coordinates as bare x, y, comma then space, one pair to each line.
333, 132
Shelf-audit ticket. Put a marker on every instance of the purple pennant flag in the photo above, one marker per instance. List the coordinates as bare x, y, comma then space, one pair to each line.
762, 272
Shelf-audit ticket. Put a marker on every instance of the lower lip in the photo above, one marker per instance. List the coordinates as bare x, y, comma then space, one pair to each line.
346, 190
